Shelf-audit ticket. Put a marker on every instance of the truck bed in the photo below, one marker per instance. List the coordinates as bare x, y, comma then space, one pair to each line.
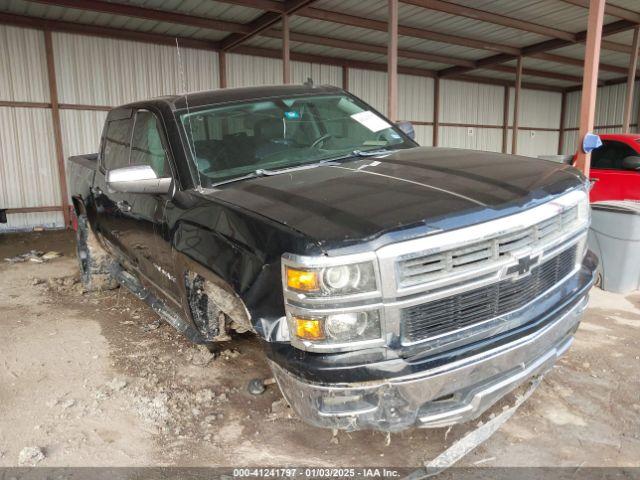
82, 169
89, 160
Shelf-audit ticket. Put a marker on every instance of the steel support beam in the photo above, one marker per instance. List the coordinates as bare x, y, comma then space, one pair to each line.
413, 55
609, 9
222, 69
516, 108
505, 120
392, 61
147, 13
276, 9
543, 47
57, 130
631, 80
577, 62
489, 17
263, 22
159, 39
345, 78
563, 110
436, 111
286, 56
590, 83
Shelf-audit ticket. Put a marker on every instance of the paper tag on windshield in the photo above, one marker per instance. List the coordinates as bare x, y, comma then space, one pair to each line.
371, 121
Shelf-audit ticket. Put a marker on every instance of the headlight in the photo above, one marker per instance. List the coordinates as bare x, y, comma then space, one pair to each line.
337, 328
331, 281
320, 295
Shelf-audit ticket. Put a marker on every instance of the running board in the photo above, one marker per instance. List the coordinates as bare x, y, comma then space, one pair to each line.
132, 284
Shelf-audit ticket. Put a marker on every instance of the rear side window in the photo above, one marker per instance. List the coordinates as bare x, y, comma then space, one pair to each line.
610, 155
117, 143
146, 146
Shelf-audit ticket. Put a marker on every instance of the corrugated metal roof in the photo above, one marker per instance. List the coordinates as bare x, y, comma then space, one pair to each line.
553, 67
511, 77
549, 13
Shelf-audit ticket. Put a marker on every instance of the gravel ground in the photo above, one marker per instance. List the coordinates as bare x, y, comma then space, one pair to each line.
97, 380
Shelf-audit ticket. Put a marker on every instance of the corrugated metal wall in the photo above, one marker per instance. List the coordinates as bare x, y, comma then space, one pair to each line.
320, 74
28, 171
94, 71
469, 103
415, 98
99, 71
538, 111
23, 70
609, 113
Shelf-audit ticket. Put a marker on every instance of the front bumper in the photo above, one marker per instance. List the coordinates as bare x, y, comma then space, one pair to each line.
454, 392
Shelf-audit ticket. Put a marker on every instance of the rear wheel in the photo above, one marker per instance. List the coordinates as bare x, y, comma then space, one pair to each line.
96, 265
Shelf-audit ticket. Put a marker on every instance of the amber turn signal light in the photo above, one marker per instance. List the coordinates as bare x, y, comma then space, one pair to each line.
308, 328
303, 280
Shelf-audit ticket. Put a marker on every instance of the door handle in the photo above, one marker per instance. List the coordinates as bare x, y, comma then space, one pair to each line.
123, 206
594, 179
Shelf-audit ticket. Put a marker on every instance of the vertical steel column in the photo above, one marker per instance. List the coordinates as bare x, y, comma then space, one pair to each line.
436, 111
590, 80
57, 130
222, 69
516, 107
345, 78
505, 119
286, 64
392, 61
563, 109
631, 80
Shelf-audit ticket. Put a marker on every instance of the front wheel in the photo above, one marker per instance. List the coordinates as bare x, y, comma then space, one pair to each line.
96, 265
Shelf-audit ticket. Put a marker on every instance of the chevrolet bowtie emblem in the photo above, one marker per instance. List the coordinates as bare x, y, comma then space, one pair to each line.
523, 266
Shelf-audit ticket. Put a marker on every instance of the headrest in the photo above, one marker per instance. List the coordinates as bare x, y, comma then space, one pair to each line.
269, 129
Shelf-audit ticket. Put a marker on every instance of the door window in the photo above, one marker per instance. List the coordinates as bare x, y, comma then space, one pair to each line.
146, 145
116, 144
610, 155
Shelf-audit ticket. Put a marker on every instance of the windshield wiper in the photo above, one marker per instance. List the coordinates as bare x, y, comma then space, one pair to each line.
370, 153
264, 172
360, 153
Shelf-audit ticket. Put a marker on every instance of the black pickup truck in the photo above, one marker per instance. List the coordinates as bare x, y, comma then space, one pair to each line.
391, 285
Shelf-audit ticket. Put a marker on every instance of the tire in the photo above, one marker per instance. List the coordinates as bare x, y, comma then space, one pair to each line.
96, 265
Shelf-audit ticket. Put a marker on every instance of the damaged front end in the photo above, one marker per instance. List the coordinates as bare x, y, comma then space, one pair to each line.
438, 396
433, 331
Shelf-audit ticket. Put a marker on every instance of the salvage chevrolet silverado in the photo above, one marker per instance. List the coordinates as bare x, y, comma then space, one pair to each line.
391, 285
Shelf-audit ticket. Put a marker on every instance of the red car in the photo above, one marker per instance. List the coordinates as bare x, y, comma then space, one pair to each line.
615, 168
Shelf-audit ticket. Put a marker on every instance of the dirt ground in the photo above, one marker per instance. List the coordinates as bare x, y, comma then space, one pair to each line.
96, 380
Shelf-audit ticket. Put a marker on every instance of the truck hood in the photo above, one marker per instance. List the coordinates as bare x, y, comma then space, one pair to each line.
404, 193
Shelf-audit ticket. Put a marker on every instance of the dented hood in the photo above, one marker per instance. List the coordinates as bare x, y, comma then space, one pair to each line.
363, 198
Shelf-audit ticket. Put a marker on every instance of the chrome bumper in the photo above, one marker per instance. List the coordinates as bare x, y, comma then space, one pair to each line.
452, 393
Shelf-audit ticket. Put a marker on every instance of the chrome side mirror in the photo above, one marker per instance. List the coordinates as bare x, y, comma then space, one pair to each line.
137, 179
407, 129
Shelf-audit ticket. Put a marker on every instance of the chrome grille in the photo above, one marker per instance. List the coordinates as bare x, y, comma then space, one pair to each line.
418, 268
468, 308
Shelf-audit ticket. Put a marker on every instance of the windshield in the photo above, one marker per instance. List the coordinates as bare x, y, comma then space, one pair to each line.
229, 142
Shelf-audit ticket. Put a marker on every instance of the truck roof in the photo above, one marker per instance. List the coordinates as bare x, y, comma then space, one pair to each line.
226, 95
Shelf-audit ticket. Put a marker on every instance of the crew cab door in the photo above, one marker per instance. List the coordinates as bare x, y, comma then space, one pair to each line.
114, 219
611, 180
151, 253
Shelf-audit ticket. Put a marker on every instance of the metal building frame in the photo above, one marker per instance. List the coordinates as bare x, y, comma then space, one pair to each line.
279, 13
